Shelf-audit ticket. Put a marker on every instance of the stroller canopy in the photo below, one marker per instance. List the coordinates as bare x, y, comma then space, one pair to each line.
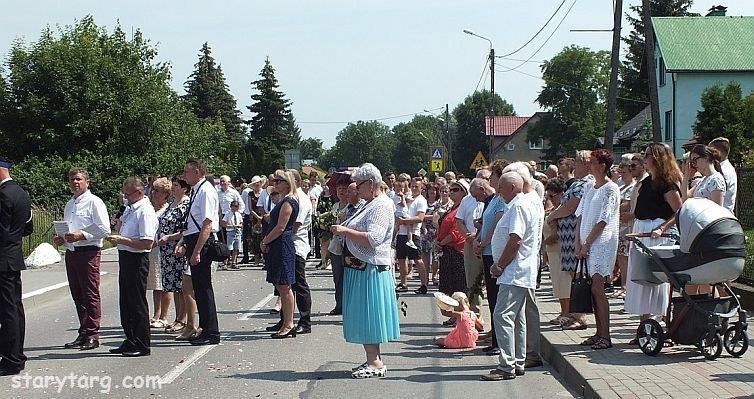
706, 227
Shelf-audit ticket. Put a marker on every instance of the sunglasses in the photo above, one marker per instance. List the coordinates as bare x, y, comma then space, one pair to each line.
276, 181
359, 185
455, 190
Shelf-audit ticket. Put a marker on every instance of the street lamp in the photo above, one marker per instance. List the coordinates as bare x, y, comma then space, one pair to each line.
492, 88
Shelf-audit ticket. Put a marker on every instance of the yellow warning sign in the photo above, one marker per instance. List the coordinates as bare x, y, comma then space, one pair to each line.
436, 165
479, 161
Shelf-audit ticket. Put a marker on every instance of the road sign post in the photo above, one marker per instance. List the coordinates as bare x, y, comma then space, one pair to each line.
436, 159
479, 161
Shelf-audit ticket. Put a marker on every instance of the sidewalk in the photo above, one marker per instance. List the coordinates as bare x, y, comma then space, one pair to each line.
625, 372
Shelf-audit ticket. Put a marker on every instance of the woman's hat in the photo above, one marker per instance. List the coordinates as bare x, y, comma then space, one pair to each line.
462, 183
255, 179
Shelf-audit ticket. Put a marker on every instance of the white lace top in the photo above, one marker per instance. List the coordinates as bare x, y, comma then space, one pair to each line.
375, 218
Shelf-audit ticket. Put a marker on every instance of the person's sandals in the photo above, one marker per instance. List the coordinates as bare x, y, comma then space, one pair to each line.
559, 320
369, 372
158, 323
602, 343
573, 325
590, 341
186, 337
177, 326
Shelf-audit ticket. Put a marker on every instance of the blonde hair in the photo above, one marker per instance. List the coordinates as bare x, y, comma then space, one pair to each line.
289, 178
462, 299
583, 155
162, 185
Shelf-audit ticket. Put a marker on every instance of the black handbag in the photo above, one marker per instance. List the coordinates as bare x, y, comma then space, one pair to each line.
581, 290
213, 249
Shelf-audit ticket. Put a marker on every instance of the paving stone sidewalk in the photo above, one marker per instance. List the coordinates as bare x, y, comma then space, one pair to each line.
623, 371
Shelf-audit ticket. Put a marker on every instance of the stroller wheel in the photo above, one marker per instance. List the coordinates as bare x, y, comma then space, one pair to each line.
736, 346
711, 345
650, 337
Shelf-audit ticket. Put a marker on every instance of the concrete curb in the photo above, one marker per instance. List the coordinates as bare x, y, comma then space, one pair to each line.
567, 371
43, 296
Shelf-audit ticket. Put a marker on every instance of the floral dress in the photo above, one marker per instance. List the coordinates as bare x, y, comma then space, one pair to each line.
172, 267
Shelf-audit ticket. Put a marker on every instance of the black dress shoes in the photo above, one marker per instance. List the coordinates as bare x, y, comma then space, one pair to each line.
136, 353
492, 352
303, 330
274, 327
89, 344
4, 371
75, 344
124, 347
205, 340
290, 334
335, 312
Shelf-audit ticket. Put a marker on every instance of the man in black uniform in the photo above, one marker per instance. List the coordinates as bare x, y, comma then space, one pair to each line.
15, 214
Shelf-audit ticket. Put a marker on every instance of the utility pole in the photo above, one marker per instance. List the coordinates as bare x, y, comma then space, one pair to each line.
613, 88
492, 100
449, 139
649, 50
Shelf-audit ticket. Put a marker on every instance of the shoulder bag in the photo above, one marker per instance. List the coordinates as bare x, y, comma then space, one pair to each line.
215, 250
581, 290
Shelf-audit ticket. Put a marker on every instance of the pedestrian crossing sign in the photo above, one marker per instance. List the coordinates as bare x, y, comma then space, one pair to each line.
436, 165
437, 153
479, 161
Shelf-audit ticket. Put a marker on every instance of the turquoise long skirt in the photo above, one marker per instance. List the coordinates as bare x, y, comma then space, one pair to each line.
370, 309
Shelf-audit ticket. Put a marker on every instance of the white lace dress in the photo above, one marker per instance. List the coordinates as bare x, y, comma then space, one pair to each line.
601, 205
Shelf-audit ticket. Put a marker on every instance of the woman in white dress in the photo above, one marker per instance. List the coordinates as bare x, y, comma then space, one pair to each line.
659, 198
597, 240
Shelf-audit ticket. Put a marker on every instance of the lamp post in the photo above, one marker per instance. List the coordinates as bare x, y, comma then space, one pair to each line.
492, 88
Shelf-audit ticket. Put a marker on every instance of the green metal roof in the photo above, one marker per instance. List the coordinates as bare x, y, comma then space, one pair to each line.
706, 43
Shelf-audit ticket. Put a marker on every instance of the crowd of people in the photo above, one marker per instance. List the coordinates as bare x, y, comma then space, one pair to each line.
489, 236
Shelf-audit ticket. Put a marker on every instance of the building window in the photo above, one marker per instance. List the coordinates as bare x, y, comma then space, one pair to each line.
537, 145
668, 125
510, 147
661, 79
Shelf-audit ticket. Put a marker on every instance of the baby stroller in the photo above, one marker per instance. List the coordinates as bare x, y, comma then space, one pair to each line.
711, 251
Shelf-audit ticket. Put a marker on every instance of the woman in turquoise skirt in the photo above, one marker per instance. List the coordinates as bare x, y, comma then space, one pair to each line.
370, 309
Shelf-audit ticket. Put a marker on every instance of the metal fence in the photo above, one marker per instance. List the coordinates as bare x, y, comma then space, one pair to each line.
43, 228
745, 214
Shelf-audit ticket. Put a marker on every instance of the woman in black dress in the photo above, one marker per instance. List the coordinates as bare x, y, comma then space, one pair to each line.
278, 246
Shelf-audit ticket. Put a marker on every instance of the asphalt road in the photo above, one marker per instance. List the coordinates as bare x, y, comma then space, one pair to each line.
248, 363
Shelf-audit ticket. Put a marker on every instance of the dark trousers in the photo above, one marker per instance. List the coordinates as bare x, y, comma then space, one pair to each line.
12, 322
303, 294
82, 268
337, 278
201, 277
246, 237
134, 311
317, 247
491, 288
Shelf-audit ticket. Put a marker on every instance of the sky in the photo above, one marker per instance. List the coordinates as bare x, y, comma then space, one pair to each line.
342, 61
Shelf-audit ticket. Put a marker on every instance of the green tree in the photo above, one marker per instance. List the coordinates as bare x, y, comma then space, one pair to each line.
361, 142
96, 99
311, 148
469, 136
272, 128
576, 81
412, 141
725, 113
634, 82
208, 97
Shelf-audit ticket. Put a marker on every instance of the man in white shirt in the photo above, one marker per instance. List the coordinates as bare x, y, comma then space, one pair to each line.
227, 194
88, 225
515, 251
136, 232
468, 211
202, 221
246, 235
413, 220
533, 358
722, 144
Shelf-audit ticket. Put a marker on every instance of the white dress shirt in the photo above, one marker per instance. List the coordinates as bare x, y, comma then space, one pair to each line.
204, 206
301, 238
90, 213
139, 222
518, 220
731, 180
228, 196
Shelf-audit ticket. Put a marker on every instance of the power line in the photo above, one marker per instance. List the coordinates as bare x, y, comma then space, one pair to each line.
536, 34
567, 85
367, 119
546, 40
484, 73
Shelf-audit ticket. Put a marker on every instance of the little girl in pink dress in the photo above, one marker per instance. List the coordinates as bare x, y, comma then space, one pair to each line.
464, 334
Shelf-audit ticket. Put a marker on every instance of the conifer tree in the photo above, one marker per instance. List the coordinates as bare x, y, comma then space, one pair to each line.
272, 129
208, 96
